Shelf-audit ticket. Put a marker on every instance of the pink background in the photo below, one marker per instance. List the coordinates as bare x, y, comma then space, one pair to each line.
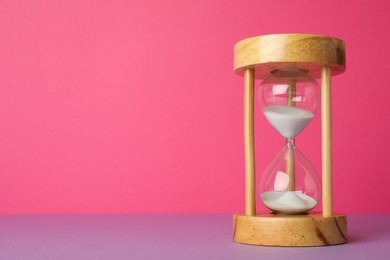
133, 107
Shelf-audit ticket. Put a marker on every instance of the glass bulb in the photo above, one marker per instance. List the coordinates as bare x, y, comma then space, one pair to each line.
289, 99
290, 184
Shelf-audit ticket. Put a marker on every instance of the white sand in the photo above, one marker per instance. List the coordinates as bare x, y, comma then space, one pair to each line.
288, 202
288, 121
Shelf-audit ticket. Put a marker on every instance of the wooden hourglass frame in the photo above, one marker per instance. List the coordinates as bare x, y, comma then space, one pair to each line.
255, 58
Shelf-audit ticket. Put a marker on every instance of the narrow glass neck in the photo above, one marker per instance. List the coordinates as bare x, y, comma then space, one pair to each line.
290, 142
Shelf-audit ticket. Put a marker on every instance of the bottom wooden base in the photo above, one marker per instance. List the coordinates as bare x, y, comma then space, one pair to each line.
290, 230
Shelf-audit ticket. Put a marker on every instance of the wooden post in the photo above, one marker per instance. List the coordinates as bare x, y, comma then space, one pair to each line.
292, 85
290, 169
326, 119
250, 177
290, 165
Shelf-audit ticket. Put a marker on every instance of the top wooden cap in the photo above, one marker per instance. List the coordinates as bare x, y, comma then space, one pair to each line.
280, 51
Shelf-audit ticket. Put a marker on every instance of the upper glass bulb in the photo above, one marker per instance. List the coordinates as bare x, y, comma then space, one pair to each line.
289, 99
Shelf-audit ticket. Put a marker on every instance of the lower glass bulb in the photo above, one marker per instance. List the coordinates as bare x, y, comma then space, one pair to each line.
290, 184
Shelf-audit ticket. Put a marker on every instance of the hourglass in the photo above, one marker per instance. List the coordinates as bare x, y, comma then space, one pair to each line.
288, 97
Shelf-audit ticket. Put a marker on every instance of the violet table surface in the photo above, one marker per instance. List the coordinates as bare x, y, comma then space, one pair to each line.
169, 237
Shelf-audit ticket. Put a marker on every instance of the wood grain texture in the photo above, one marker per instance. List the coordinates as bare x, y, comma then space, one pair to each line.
290, 230
277, 51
